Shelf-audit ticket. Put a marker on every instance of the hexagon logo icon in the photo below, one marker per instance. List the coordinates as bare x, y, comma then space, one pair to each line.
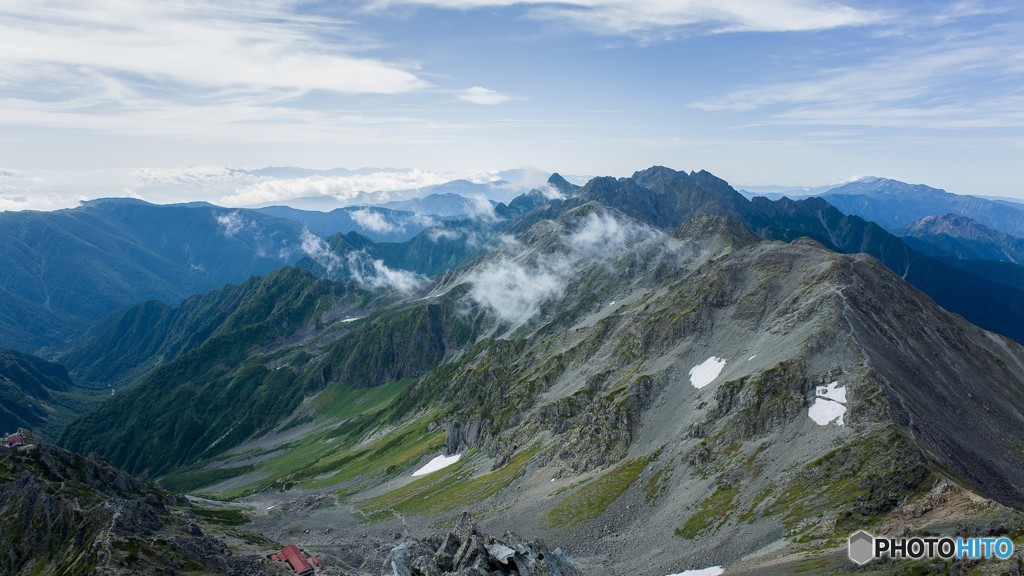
861, 547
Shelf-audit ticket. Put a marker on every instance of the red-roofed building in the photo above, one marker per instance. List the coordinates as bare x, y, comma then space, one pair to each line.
294, 557
14, 440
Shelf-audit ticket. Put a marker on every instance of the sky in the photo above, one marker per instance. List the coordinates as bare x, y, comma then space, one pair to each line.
181, 101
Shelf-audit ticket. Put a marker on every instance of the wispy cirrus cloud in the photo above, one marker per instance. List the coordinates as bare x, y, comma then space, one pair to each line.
951, 81
229, 69
627, 17
214, 49
481, 95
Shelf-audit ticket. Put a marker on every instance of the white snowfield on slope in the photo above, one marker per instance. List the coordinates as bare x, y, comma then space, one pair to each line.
705, 373
437, 463
829, 405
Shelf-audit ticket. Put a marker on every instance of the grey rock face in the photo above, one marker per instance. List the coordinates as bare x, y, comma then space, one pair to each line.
64, 513
459, 436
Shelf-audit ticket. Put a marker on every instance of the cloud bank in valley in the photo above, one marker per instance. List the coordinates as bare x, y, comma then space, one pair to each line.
515, 291
602, 236
318, 250
373, 221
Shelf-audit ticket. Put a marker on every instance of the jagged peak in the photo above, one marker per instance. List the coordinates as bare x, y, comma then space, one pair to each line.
562, 185
658, 175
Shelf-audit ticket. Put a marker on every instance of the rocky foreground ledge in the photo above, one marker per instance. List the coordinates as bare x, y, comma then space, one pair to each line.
465, 551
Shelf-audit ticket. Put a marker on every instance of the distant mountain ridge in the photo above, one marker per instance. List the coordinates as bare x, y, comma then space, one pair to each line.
964, 238
447, 204
60, 271
378, 223
894, 205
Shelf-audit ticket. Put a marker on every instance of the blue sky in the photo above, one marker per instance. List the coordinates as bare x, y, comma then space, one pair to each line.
161, 100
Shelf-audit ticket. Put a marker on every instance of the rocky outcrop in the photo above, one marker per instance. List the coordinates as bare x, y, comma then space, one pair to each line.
64, 513
460, 436
465, 551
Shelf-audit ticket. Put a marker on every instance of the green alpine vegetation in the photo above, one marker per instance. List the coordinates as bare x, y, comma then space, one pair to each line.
222, 391
256, 367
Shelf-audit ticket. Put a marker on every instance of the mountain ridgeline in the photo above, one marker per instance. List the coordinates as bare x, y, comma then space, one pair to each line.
651, 368
63, 271
960, 237
895, 205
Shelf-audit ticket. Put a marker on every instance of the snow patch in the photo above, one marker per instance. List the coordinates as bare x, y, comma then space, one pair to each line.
353, 319
713, 571
437, 463
752, 357
825, 411
833, 392
829, 404
705, 373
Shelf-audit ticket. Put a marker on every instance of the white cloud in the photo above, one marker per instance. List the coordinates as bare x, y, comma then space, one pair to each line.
344, 189
232, 223
437, 234
481, 95
237, 187
318, 250
227, 71
481, 208
550, 192
602, 236
515, 292
373, 221
229, 47
967, 9
425, 220
48, 202
627, 17
520, 180
30, 190
373, 273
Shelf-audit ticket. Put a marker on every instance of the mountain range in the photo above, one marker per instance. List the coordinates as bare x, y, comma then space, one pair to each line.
379, 224
62, 272
654, 370
893, 205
